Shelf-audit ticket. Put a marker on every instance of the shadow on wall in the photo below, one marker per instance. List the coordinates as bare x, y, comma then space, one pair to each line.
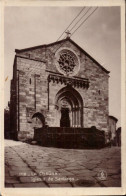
7, 124
118, 136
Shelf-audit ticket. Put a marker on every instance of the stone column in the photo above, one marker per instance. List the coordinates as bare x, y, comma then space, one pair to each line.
58, 117
74, 117
78, 117
70, 115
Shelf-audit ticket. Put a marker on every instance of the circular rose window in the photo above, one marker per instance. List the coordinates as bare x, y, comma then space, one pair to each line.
67, 62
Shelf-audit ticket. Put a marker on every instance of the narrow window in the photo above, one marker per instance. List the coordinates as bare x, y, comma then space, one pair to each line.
30, 81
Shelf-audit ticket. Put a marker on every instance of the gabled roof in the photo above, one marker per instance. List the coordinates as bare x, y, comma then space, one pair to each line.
58, 42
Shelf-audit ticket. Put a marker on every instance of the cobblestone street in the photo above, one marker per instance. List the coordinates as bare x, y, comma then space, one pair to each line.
36, 166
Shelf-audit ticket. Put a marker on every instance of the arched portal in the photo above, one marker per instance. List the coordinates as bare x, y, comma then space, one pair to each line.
38, 120
69, 104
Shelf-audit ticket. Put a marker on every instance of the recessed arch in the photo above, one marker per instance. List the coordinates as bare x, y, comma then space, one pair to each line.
68, 92
74, 103
38, 120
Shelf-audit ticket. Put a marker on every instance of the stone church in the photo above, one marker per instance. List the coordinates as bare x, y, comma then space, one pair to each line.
57, 85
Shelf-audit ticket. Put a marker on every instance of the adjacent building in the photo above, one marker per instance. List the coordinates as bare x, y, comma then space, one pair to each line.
112, 128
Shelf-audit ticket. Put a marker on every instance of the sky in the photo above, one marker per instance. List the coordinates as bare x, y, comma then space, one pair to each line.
99, 36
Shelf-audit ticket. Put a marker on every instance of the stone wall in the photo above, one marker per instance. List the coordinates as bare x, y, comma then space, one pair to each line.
32, 92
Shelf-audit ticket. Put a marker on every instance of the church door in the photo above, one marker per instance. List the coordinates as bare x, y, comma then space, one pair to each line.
65, 119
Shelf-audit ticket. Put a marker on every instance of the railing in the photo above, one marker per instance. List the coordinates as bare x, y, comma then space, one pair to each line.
65, 137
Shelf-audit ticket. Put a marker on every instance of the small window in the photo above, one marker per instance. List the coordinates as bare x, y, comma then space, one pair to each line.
30, 81
99, 92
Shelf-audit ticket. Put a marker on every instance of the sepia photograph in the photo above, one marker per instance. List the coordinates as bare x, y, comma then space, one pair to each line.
62, 97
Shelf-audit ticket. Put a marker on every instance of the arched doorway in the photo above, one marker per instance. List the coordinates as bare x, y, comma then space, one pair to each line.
69, 104
65, 119
38, 120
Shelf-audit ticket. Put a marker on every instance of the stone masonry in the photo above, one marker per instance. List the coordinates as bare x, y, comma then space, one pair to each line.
38, 87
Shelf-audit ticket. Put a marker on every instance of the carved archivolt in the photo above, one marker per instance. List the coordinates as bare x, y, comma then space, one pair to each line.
69, 98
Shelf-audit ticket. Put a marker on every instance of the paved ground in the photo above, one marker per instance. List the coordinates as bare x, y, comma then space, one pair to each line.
36, 166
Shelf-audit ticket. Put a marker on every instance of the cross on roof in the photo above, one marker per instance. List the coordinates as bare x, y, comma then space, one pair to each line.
68, 33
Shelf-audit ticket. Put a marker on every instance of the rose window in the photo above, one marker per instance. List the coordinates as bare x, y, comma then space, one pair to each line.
67, 62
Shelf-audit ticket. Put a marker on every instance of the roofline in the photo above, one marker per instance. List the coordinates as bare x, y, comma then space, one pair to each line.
40, 46
90, 57
114, 118
57, 42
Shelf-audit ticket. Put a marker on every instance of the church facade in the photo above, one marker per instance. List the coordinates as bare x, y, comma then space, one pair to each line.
57, 85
